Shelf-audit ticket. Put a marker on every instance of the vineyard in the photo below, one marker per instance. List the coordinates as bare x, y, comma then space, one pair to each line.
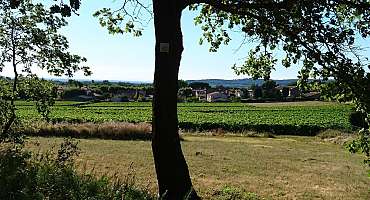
304, 118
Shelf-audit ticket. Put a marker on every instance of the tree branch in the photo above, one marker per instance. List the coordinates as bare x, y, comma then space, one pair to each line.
240, 6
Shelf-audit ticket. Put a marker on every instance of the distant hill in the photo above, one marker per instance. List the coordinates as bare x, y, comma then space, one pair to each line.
236, 83
240, 83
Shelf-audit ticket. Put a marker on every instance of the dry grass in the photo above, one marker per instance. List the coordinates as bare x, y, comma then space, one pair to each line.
107, 130
274, 168
223, 133
294, 103
337, 137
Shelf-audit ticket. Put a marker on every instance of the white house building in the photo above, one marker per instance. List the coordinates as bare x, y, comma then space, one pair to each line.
200, 94
217, 97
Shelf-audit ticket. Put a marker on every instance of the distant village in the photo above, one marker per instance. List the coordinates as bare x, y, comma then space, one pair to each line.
188, 92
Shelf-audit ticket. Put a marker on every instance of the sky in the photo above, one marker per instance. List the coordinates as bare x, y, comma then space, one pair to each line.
127, 58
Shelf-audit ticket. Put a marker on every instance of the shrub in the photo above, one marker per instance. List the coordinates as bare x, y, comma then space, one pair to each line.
357, 118
48, 176
71, 93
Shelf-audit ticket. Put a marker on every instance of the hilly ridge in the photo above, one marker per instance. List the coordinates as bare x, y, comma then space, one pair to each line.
240, 83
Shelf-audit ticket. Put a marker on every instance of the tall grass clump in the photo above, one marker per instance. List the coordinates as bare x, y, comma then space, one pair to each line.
24, 175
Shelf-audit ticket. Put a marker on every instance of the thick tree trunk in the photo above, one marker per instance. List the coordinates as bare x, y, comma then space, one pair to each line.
172, 171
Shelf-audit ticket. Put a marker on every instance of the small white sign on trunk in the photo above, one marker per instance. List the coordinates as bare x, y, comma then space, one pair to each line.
164, 47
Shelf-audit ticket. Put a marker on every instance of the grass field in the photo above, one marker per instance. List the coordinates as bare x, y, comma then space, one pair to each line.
303, 118
274, 168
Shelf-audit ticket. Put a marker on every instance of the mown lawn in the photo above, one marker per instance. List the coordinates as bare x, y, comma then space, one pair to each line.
274, 168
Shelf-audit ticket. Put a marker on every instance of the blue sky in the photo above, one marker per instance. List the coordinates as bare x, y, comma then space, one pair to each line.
126, 58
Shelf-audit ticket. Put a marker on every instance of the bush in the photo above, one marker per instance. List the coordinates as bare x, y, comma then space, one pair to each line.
357, 118
46, 176
276, 129
71, 93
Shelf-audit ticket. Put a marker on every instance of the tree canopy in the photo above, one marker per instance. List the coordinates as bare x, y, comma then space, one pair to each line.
29, 38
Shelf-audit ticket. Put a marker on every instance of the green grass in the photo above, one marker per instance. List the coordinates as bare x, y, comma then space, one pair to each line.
303, 118
273, 168
57, 103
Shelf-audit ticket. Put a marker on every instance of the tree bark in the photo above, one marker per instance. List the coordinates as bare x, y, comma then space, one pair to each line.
6, 129
172, 171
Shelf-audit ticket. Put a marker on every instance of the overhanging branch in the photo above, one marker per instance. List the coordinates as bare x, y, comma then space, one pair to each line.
241, 7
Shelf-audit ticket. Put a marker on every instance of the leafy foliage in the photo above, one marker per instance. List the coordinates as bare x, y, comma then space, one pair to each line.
362, 145
8, 131
64, 9
129, 18
53, 176
358, 119
199, 85
28, 38
260, 66
183, 84
41, 92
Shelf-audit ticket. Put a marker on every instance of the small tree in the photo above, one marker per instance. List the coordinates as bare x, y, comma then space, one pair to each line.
185, 92
270, 91
269, 85
257, 91
199, 85
29, 38
183, 84
285, 92
42, 92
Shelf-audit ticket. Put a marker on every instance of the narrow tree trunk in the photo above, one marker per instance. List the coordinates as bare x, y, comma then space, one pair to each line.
6, 129
172, 171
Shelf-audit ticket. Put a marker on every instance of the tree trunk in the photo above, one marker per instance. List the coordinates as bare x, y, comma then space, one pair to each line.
9, 123
172, 171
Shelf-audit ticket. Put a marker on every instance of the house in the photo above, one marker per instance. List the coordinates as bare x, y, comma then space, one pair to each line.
239, 93
293, 92
201, 94
60, 91
250, 94
217, 97
87, 91
235, 93
97, 96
